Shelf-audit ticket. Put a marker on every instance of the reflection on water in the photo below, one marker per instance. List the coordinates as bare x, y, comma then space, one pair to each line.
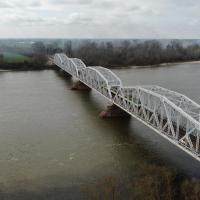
52, 140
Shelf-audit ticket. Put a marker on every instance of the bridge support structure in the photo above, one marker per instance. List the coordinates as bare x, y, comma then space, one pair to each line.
113, 111
78, 85
63, 73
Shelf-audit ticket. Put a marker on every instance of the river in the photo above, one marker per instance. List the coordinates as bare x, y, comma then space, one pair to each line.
53, 143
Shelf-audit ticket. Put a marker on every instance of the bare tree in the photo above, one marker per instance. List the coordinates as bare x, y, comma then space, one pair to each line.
39, 53
1, 58
68, 48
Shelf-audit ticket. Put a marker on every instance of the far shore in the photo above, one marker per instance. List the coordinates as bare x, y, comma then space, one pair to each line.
5, 70
163, 64
185, 62
156, 65
22, 67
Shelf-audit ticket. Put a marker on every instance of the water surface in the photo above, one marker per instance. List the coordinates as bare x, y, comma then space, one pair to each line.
53, 143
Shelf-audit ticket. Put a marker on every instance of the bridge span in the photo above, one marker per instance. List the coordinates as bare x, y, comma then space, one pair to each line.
170, 114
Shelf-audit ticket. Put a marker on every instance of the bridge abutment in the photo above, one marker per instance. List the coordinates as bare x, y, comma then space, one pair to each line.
113, 111
78, 85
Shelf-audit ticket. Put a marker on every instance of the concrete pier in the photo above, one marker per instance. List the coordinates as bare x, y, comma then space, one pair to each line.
78, 85
113, 111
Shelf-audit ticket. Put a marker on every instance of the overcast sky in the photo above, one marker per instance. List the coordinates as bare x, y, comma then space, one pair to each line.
100, 18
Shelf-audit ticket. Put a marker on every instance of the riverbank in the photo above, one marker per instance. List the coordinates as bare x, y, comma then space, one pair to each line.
31, 66
154, 66
186, 62
24, 66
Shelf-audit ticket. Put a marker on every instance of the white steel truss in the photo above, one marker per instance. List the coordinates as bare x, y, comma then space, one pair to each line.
172, 115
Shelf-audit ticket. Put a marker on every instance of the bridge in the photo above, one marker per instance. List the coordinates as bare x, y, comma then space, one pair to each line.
170, 114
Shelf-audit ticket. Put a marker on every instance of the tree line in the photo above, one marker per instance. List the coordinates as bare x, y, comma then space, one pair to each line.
108, 54
150, 52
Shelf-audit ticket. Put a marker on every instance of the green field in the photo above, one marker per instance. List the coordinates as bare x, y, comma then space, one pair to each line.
14, 58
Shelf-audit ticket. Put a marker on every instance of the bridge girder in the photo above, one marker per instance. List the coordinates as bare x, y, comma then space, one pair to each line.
112, 78
162, 114
79, 63
93, 78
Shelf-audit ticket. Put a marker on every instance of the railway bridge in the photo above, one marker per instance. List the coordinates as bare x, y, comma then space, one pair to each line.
170, 114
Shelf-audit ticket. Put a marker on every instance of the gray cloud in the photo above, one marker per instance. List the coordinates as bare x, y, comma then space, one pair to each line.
5, 5
105, 4
68, 2
35, 4
101, 18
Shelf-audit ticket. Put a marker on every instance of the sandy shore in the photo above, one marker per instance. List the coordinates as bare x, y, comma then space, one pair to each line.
5, 70
186, 62
166, 64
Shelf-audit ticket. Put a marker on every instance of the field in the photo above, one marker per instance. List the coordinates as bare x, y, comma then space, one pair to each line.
15, 58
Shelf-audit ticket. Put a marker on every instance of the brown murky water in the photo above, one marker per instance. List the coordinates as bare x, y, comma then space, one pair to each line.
53, 143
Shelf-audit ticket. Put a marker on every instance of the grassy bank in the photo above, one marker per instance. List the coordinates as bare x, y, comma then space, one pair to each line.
14, 61
15, 58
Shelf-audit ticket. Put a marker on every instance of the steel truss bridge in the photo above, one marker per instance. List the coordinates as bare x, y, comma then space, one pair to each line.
170, 114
